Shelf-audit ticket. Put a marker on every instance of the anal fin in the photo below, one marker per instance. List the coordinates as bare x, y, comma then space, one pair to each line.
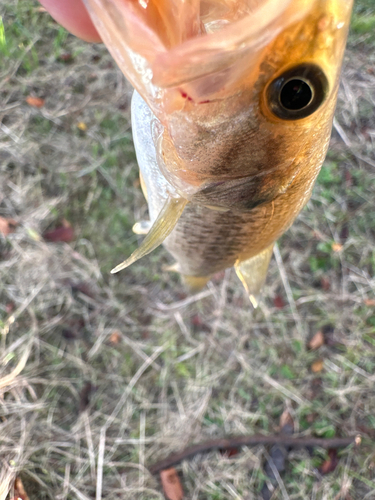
252, 273
195, 283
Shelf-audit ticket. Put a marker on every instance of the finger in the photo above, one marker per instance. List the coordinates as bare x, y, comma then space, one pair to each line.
72, 14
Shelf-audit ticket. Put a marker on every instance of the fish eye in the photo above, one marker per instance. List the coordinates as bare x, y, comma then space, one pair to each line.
297, 92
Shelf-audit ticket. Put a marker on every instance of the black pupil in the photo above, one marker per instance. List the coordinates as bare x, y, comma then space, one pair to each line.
295, 95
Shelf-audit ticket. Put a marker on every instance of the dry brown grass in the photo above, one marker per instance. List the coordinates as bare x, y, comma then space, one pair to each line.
84, 417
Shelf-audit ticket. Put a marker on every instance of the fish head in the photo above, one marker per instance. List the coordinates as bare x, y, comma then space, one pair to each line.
243, 91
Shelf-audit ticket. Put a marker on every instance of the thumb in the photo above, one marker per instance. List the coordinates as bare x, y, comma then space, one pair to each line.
73, 16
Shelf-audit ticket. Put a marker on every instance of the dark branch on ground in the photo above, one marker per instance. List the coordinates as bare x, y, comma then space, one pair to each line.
239, 441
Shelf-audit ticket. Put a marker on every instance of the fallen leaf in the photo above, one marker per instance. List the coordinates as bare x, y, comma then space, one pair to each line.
267, 490
115, 337
196, 320
286, 422
330, 464
198, 324
228, 452
348, 179
35, 102
70, 334
369, 302
82, 287
316, 341
276, 461
278, 455
336, 247
9, 308
145, 334
144, 319
317, 366
7, 226
344, 233
278, 302
19, 490
67, 57
171, 484
315, 389
329, 335
85, 396
82, 126
325, 284
74, 329
311, 417
63, 233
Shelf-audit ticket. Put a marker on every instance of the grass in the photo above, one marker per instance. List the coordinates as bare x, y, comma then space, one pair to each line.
363, 23
86, 410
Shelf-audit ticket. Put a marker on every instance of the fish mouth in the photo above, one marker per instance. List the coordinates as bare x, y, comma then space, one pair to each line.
161, 45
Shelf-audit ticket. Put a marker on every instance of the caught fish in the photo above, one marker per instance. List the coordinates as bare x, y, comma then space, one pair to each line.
231, 118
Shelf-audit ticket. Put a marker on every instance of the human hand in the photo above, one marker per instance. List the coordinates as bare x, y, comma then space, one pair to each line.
73, 16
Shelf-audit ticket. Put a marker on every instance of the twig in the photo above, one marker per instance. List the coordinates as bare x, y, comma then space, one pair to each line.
115, 412
90, 445
142, 435
239, 441
183, 303
288, 290
99, 473
289, 394
8, 379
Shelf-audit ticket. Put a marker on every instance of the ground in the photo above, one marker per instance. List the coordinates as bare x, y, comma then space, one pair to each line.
122, 370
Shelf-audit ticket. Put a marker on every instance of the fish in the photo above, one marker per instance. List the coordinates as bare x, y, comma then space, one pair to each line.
231, 116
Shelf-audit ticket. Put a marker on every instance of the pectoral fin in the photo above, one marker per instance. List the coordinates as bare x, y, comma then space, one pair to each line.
162, 227
252, 273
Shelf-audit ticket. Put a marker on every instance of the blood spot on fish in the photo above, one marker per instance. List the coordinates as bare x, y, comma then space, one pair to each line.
186, 96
